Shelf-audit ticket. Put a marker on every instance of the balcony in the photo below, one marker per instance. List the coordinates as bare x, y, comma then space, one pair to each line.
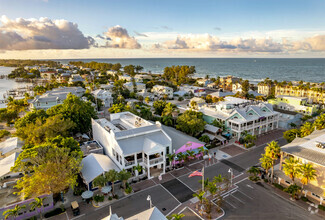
153, 161
129, 163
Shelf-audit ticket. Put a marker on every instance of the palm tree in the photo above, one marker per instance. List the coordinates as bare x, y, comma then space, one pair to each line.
201, 150
176, 216
37, 204
169, 109
124, 176
218, 179
200, 197
212, 188
112, 176
306, 129
292, 189
205, 183
13, 212
190, 154
180, 157
171, 158
307, 173
320, 122
273, 150
194, 105
291, 168
253, 171
167, 120
100, 181
266, 163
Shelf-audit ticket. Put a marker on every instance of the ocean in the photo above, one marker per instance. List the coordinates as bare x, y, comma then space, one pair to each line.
253, 69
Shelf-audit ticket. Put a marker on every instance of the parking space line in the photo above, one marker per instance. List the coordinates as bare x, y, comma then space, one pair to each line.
174, 209
170, 194
237, 198
245, 194
241, 180
187, 185
231, 204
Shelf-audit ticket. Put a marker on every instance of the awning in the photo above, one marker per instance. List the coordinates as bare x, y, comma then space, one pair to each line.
220, 138
211, 128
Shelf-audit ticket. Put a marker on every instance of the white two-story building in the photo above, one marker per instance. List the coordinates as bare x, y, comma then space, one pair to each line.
239, 115
105, 96
129, 140
55, 97
159, 91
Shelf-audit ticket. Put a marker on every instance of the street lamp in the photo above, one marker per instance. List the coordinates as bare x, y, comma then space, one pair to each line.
149, 199
231, 174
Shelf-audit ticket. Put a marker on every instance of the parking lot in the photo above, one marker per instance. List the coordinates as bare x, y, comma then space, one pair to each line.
253, 201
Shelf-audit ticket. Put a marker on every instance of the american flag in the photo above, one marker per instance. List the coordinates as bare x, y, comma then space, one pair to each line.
196, 173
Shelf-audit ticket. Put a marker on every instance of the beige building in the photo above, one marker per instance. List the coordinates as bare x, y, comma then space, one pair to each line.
314, 94
309, 149
227, 82
264, 89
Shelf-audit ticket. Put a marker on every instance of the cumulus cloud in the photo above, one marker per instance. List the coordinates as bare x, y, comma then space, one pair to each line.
44, 33
207, 42
119, 38
140, 34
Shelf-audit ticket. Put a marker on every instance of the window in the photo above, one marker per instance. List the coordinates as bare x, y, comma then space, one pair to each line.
113, 152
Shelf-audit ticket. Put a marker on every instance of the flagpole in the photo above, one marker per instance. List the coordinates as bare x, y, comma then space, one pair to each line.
203, 179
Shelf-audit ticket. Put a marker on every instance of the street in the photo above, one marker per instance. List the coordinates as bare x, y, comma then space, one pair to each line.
250, 201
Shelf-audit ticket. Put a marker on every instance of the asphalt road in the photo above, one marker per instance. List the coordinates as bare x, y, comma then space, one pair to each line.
136, 203
252, 201
252, 157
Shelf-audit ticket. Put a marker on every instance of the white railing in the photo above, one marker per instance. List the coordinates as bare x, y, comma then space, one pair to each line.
153, 161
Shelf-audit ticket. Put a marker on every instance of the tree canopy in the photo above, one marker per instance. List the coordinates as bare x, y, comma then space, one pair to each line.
178, 74
76, 110
191, 122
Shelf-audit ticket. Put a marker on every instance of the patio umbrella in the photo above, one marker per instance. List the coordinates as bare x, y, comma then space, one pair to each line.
106, 189
87, 194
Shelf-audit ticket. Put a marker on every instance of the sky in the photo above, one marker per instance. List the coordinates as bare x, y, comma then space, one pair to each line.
57, 29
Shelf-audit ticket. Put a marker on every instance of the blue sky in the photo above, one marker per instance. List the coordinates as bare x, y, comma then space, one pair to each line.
174, 25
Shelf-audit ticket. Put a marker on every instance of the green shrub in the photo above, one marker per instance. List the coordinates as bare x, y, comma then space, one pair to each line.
4, 133
254, 178
279, 186
266, 180
115, 196
110, 198
99, 198
304, 199
321, 207
128, 190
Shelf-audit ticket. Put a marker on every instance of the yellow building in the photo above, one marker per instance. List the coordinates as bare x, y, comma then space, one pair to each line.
227, 82
310, 149
314, 94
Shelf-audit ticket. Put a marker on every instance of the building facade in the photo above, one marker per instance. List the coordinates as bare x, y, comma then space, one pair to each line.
130, 140
160, 91
239, 115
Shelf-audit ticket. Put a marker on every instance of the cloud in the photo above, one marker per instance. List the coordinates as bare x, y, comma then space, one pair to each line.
31, 34
119, 38
207, 42
166, 27
217, 28
140, 34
